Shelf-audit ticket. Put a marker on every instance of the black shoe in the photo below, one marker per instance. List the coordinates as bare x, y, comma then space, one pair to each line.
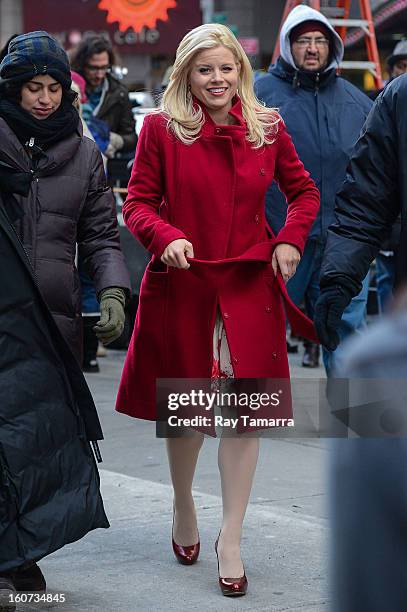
29, 578
7, 593
311, 356
291, 348
91, 366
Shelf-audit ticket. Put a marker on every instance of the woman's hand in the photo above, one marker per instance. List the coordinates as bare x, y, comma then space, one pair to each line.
176, 252
286, 259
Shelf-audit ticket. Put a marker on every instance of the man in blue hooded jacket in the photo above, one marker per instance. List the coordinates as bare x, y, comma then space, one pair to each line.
324, 114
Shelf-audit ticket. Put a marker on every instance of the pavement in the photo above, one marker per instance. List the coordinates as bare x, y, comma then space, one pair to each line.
131, 568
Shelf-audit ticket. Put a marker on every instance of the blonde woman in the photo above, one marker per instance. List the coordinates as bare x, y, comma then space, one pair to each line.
210, 301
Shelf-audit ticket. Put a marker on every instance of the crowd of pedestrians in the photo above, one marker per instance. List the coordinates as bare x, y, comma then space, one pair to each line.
257, 205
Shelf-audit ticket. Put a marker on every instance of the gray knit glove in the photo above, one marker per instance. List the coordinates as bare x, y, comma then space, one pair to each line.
111, 323
116, 143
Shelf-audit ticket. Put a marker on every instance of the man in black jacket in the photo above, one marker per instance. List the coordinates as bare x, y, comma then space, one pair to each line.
108, 99
385, 268
374, 193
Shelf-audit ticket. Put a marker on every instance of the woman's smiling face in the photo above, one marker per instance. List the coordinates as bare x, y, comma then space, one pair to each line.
214, 79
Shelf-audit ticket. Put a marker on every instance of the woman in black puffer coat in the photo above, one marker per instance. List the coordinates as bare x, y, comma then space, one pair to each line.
53, 186
49, 482
53, 200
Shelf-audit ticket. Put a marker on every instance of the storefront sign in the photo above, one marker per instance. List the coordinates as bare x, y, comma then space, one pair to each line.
250, 45
70, 20
136, 14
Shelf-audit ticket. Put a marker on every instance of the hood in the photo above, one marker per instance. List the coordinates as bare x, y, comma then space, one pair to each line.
298, 15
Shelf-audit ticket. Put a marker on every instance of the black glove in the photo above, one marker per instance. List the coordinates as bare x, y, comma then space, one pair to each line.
328, 313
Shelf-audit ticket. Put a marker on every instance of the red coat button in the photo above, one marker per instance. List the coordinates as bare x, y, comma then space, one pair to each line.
235, 359
225, 315
262, 171
274, 355
268, 308
218, 131
257, 218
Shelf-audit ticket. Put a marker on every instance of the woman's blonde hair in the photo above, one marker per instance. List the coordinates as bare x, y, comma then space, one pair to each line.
185, 119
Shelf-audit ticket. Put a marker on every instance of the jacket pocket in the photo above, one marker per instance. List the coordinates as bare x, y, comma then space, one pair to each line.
151, 321
156, 266
269, 273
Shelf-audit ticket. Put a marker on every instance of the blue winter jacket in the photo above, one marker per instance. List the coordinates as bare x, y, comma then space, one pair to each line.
324, 115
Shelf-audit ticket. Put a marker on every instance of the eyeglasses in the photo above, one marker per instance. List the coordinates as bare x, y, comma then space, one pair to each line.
95, 69
307, 42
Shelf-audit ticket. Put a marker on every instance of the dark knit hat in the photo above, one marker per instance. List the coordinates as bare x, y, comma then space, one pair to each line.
310, 26
33, 54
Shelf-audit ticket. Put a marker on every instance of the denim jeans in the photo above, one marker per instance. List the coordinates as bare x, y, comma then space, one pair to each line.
305, 286
385, 272
353, 321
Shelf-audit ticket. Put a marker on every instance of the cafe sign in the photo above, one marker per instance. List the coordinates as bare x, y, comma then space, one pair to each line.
135, 26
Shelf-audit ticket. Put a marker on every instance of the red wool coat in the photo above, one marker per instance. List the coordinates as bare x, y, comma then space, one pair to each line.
211, 193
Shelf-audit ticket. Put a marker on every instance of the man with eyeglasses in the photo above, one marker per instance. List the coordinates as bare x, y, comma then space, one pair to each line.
108, 115
108, 99
324, 114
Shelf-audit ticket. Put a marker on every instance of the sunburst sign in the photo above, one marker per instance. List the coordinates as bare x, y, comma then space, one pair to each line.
136, 14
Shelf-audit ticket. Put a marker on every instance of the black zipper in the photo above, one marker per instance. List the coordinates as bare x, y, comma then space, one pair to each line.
25, 252
5, 478
7, 481
316, 83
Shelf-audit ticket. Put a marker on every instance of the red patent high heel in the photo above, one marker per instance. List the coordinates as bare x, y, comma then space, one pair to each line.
231, 587
187, 555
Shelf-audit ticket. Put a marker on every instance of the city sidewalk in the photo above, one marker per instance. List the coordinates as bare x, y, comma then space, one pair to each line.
130, 567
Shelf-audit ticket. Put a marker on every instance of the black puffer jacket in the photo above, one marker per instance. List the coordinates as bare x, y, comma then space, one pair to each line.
49, 483
68, 204
374, 193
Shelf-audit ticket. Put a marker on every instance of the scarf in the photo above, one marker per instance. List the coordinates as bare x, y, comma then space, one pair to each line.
46, 132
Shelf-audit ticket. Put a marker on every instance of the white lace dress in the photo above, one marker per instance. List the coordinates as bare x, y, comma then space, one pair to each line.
221, 365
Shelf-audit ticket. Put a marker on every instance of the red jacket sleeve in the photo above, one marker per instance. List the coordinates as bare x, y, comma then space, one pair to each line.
145, 193
299, 189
